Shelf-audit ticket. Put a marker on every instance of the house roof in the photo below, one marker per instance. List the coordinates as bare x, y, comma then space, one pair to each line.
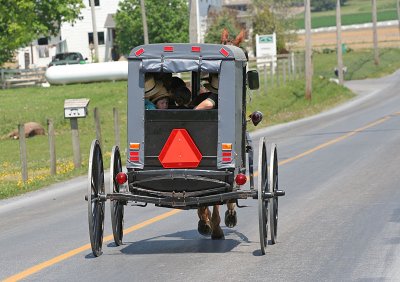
110, 23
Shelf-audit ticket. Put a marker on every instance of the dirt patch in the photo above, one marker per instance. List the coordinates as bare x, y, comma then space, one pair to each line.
355, 39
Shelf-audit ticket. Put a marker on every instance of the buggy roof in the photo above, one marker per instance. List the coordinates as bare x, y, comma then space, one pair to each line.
187, 51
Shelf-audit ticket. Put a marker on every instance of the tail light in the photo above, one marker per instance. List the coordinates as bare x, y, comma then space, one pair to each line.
240, 179
121, 178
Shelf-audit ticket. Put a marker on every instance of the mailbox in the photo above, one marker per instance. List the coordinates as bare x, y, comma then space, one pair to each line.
76, 108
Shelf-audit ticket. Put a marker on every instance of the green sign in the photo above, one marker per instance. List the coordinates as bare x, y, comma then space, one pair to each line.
266, 39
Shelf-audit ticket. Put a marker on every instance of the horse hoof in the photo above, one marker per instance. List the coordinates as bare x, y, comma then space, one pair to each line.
230, 218
217, 234
204, 228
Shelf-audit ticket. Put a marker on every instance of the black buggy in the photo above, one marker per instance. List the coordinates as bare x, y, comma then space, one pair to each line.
185, 159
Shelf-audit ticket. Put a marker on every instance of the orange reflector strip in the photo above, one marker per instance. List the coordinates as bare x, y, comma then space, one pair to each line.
196, 49
226, 146
134, 146
139, 52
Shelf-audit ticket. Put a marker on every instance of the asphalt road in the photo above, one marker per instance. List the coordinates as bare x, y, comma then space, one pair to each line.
339, 220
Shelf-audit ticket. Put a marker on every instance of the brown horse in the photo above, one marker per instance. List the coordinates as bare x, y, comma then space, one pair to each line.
209, 224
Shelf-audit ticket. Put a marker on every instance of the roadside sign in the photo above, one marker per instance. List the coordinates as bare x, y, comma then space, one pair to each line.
266, 49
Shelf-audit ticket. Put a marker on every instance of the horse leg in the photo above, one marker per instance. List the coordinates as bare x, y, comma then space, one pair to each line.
217, 232
204, 226
230, 215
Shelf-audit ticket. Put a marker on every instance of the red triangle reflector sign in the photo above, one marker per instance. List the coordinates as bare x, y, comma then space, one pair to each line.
180, 151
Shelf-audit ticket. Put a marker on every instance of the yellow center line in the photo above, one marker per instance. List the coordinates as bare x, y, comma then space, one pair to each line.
334, 141
86, 247
133, 228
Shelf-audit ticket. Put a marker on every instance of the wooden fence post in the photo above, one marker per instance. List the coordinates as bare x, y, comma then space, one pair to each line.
293, 60
22, 152
265, 78
271, 72
284, 72
98, 127
278, 82
75, 142
52, 147
299, 64
3, 79
116, 126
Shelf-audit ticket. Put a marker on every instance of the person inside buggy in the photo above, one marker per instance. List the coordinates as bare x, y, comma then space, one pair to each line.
173, 93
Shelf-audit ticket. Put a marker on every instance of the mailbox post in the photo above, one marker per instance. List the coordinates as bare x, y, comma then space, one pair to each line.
74, 109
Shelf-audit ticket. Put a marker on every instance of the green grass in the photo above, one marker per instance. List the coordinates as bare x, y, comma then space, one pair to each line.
287, 103
281, 104
359, 64
347, 19
39, 104
354, 12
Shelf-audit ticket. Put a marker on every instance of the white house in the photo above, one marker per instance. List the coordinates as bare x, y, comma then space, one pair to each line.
76, 37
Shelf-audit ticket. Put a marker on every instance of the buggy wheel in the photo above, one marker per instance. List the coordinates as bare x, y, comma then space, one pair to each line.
95, 203
116, 207
262, 185
273, 188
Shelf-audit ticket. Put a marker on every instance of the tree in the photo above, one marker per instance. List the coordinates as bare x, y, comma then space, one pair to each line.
219, 21
167, 21
264, 22
22, 21
275, 16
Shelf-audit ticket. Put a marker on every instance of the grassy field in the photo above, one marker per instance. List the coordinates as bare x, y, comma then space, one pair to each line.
354, 12
38, 104
359, 64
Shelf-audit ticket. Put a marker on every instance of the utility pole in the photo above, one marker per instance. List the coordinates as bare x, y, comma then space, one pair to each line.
308, 53
144, 21
398, 12
194, 21
95, 37
375, 33
339, 42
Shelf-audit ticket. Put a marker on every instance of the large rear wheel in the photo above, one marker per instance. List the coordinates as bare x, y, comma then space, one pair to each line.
273, 188
262, 185
116, 206
95, 202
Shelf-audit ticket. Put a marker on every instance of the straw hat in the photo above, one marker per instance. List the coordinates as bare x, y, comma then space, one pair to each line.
212, 86
151, 86
161, 93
